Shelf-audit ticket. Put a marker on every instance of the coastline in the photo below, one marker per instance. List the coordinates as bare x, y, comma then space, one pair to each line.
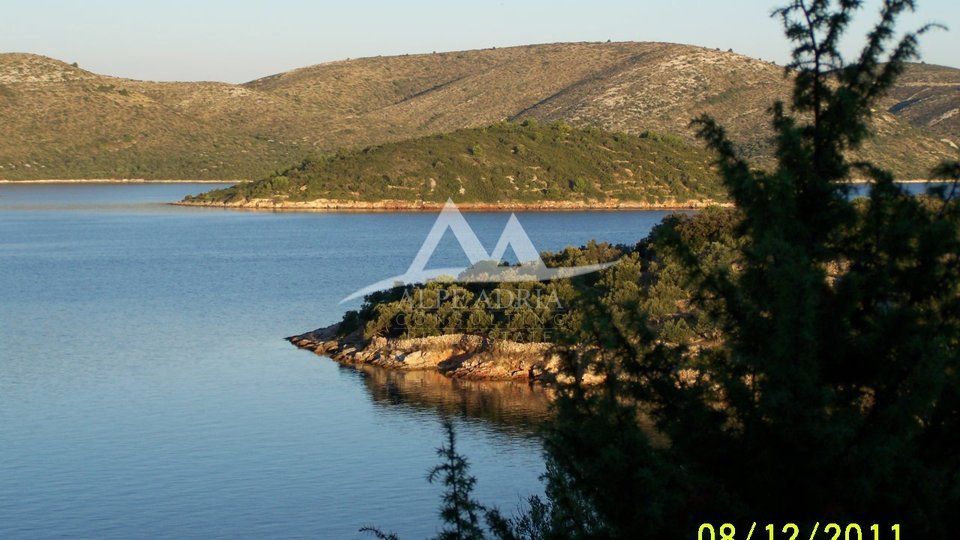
117, 181
457, 356
862, 181
237, 181
335, 205
398, 205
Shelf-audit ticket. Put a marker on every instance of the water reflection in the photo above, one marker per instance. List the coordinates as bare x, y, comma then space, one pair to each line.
512, 405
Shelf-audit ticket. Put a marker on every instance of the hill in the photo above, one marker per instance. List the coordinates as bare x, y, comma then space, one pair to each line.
929, 96
61, 121
506, 164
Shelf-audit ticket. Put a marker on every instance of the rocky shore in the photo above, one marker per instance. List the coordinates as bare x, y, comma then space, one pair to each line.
460, 356
322, 205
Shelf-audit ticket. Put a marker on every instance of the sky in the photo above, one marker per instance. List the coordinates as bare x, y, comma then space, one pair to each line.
241, 40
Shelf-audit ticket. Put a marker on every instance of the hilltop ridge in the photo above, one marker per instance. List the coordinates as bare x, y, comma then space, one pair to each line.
62, 121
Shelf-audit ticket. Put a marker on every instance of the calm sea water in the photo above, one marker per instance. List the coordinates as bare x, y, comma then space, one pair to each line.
146, 391
914, 188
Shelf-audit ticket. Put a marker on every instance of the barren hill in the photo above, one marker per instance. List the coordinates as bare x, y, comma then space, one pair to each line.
60, 121
929, 97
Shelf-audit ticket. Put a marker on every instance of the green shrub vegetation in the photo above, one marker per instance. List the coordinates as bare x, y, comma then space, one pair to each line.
648, 277
508, 162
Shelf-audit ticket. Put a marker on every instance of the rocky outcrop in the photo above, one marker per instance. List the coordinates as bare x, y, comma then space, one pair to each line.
454, 355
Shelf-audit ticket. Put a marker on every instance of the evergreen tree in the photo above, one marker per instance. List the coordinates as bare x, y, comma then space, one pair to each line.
460, 513
834, 394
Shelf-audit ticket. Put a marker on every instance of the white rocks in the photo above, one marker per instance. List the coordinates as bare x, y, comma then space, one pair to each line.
454, 355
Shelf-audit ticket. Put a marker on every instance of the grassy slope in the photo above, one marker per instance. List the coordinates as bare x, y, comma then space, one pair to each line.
506, 162
63, 122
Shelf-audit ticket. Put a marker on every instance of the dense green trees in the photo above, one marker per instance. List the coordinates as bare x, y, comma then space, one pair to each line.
795, 361
833, 393
510, 162
650, 275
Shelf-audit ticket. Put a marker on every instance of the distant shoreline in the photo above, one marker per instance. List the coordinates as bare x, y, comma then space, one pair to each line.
117, 181
914, 181
330, 205
398, 205
175, 181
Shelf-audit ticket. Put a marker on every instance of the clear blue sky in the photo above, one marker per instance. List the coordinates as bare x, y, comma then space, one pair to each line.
239, 40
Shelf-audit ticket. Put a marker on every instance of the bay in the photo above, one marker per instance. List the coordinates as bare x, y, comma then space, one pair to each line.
146, 390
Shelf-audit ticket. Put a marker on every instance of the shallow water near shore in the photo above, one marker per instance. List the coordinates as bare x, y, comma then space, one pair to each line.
146, 390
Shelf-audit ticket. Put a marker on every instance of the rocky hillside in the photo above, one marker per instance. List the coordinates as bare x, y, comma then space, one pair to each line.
929, 97
61, 121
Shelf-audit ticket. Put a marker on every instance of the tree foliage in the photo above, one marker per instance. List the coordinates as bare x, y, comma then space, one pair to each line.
831, 392
833, 395
460, 513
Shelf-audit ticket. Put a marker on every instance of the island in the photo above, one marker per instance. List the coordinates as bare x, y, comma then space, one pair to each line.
505, 166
